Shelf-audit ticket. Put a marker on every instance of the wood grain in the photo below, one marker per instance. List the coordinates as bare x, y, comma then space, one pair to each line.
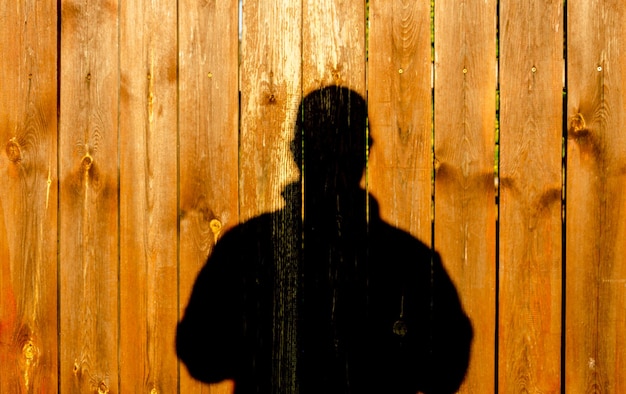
333, 44
270, 95
596, 175
88, 156
28, 195
531, 83
208, 139
399, 77
465, 210
148, 196
134, 134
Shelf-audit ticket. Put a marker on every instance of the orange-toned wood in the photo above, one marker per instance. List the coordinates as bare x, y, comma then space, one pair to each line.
399, 80
208, 138
148, 197
530, 265
153, 167
595, 321
270, 95
89, 190
333, 46
28, 197
465, 205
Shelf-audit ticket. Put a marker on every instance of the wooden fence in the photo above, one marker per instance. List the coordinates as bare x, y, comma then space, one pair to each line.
134, 133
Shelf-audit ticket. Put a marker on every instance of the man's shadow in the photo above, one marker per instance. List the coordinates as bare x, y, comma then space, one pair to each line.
340, 302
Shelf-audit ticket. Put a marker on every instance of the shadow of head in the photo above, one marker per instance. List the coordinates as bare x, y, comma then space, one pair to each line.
330, 138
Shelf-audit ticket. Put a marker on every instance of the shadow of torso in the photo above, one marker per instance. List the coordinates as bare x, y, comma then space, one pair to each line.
363, 307
342, 303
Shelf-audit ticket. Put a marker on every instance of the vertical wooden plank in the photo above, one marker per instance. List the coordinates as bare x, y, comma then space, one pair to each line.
465, 210
148, 196
333, 53
399, 77
88, 152
28, 197
595, 352
270, 95
9, 376
208, 136
333, 46
531, 83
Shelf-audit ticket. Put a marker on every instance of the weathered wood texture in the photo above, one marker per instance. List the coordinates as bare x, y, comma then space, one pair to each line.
333, 44
399, 97
595, 322
89, 197
333, 54
464, 146
208, 140
134, 134
531, 85
148, 309
28, 197
270, 95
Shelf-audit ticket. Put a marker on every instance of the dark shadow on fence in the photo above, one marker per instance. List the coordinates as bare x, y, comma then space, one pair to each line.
341, 302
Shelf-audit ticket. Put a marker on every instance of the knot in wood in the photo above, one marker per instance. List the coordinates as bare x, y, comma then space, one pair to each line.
86, 162
400, 328
14, 152
103, 388
215, 225
578, 127
29, 350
